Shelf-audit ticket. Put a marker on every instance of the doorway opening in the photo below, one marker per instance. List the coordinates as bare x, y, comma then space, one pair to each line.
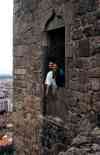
56, 52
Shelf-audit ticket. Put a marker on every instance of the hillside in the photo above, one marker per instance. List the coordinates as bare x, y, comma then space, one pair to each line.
5, 76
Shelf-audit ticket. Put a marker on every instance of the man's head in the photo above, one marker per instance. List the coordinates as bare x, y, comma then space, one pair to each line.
50, 65
55, 66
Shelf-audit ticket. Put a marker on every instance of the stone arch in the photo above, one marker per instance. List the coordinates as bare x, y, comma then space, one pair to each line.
51, 14
47, 18
54, 22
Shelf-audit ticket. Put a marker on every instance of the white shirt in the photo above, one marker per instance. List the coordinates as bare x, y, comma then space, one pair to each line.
50, 81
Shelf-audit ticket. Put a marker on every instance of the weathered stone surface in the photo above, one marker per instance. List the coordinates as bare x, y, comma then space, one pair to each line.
94, 72
78, 103
79, 140
96, 147
84, 48
21, 50
74, 150
96, 132
95, 84
85, 127
95, 44
96, 106
20, 71
96, 96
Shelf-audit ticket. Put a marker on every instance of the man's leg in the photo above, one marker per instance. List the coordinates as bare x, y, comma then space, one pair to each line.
54, 88
47, 90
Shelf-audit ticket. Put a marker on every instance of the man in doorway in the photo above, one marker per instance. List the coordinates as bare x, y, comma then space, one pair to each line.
50, 80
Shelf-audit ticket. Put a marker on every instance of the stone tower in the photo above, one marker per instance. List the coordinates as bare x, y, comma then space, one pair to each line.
67, 32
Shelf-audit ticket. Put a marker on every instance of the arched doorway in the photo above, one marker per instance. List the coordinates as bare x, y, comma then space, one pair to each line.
53, 43
54, 51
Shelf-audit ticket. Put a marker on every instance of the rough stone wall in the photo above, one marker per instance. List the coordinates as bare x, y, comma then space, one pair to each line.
82, 69
26, 85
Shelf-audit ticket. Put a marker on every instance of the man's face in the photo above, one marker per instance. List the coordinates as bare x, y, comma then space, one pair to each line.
50, 65
55, 66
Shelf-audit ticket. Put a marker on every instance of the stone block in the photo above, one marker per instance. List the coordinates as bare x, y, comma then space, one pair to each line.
95, 44
94, 61
78, 86
89, 30
76, 23
95, 84
94, 72
82, 63
83, 107
96, 106
80, 96
84, 126
20, 61
80, 140
21, 71
21, 50
96, 132
96, 97
20, 83
73, 150
84, 48
96, 147
19, 77
77, 34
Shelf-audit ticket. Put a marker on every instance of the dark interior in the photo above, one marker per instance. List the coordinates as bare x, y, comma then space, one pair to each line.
56, 51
